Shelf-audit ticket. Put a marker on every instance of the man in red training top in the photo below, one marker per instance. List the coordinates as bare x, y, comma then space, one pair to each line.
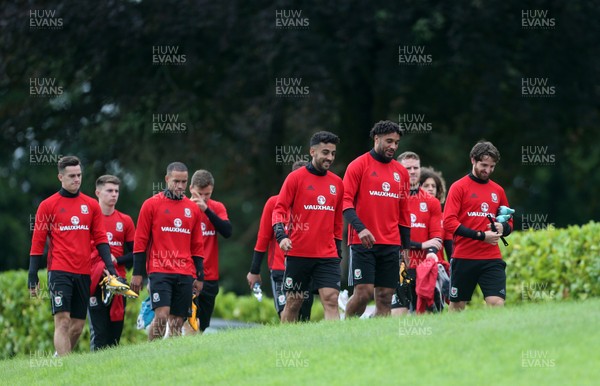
213, 219
106, 321
70, 220
266, 242
168, 244
476, 258
310, 203
425, 232
376, 207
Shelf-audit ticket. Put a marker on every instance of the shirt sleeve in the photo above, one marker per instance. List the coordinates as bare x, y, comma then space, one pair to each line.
285, 200
404, 218
452, 208
338, 224
351, 183
435, 221
144, 228
129, 229
265, 230
41, 229
98, 227
197, 242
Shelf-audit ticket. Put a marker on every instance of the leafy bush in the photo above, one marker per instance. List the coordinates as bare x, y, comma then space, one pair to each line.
554, 264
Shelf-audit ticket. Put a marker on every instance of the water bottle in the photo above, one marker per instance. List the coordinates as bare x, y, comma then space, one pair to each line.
257, 291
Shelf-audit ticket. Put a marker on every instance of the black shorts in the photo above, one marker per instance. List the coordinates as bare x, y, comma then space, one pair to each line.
303, 274
279, 297
69, 292
103, 331
465, 274
205, 302
171, 290
406, 294
379, 265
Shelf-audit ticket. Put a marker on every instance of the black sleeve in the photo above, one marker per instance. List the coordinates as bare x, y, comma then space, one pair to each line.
404, 236
34, 266
279, 230
470, 233
139, 263
448, 246
415, 245
104, 252
352, 219
222, 226
505, 229
338, 246
199, 264
256, 262
127, 259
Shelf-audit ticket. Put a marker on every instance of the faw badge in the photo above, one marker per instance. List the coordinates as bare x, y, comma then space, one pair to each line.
288, 282
332, 189
119, 226
423, 206
84, 209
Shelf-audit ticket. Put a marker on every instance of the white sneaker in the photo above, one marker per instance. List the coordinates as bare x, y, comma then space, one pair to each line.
343, 300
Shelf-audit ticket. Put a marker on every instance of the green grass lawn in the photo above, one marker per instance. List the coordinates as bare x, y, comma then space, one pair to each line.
545, 344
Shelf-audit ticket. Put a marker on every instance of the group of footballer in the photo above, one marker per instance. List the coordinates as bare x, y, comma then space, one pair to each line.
397, 234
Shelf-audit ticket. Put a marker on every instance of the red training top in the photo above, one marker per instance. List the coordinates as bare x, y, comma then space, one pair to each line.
379, 193
71, 223
468, 203
170, 234
311, 205
119, 230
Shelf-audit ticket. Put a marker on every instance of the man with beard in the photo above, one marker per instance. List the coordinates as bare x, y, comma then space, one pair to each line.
476, 258
310, 204
376, 191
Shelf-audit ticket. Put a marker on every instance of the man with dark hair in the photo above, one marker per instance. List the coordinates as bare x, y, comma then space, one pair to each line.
71, 221
169, 234
476, 257
313, 196
266, 242
426, 235
213, 219
376, 207
106, 312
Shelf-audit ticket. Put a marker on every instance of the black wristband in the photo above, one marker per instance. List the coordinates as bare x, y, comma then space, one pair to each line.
139, 263
279, 230
415, 245
505, 229
432, 250
199, 264
256, 262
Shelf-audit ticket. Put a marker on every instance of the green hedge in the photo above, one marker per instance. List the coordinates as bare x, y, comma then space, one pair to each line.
553, 264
